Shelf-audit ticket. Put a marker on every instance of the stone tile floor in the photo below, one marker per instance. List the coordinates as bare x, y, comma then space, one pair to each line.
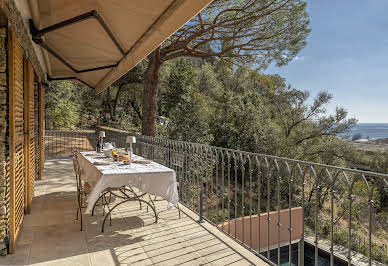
51, 236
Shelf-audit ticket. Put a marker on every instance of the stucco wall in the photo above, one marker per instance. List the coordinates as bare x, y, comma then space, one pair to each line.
296, 222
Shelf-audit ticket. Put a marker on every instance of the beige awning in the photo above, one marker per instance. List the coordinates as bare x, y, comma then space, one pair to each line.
98, 41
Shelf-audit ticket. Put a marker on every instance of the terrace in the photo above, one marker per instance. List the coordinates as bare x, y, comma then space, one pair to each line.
237, 207
51, 236
219, 223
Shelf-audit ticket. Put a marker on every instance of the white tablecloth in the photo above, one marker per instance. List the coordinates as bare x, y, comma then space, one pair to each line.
153, 178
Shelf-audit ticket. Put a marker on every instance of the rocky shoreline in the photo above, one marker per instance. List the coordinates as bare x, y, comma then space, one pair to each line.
372, 145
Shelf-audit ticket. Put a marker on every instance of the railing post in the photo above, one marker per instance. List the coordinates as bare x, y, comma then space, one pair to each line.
201, 205
300, 253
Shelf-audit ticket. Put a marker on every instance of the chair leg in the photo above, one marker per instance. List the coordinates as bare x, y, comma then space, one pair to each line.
80, 210
179, 210
81, 220
103, 206
78, 205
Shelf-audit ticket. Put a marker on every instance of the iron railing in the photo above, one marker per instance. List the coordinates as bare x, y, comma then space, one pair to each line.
62, 142
231, 188
276, 207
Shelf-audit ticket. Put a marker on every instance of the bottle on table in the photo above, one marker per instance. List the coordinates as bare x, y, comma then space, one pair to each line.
99, 145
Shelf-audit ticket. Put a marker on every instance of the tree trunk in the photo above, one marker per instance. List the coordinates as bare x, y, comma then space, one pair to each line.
115, 103
108, 104
150, 94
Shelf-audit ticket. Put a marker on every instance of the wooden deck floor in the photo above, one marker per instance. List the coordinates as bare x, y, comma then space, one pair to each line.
50, 234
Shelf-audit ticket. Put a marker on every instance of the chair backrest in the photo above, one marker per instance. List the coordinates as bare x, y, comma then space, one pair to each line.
77, 168
178, 165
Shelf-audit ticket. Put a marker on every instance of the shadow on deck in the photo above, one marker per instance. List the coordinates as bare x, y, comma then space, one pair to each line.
50, 234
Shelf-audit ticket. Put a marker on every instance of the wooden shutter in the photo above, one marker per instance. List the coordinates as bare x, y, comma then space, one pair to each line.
41, 130
29, 134
16, 140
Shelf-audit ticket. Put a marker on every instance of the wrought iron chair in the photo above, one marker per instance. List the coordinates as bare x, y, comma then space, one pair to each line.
83, 189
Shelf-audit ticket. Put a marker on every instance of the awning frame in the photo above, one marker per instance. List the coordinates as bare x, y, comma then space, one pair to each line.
128, 50
70, 78
38, 34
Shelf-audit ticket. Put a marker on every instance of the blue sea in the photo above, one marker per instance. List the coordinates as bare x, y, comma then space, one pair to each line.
370, 130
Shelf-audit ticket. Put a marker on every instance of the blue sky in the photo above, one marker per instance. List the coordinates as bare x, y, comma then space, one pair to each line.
346, 55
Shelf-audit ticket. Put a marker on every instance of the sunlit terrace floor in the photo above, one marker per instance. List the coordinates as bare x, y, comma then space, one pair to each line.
51, 236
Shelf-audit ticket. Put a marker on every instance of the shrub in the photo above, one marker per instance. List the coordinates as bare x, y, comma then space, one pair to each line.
356, 137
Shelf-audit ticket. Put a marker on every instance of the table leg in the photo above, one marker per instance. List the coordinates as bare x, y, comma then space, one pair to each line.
127, 200
134, 193
152, 201
100, 198
122, 190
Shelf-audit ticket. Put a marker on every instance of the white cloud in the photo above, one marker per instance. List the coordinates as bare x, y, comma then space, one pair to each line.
298, 58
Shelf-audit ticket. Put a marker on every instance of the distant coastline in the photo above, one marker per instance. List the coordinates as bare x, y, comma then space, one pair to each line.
368, 131
372, 145
370, 137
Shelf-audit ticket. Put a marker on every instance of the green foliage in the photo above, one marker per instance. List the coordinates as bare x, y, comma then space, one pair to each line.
379, 163
218, 104
61, 106
183, 104
244, 32
71, 105
360, 243
180, 86
120, 103
250, 111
